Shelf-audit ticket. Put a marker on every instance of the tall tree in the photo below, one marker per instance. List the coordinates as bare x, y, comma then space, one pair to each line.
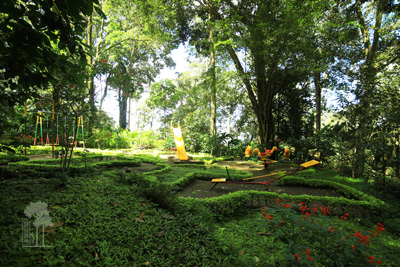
136, 50
273, 33
369, 15
213, 93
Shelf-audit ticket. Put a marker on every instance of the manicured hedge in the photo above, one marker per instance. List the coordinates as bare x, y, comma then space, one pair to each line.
345, 190
7, 158
45, 168
232, 203
116, 163
212, 160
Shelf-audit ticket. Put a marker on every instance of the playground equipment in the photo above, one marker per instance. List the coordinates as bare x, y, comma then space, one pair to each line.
80, 124
39, 120
264, 156
306, 165
180, 145
286, 154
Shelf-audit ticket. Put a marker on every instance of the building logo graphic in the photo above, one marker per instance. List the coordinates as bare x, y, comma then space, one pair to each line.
38, 212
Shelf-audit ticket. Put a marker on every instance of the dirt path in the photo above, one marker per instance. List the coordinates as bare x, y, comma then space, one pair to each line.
201, 189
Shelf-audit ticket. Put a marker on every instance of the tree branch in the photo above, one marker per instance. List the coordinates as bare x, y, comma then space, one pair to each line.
364, 29
242, 74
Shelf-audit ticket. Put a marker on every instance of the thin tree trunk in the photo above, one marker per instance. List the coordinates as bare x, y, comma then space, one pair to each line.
105, 89
90, 82
397, 146
229, 120
129, 113
213, 99
317, 84
122, 109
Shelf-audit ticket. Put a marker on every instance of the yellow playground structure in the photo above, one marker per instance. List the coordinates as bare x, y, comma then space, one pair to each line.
180, 145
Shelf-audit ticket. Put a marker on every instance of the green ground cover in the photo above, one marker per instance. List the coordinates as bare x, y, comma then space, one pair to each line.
111, 218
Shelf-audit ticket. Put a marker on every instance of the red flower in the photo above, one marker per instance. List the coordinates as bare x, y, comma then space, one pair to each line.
263, 208
303, 207
372, 259
345, 216
264, 215
353, 247
315, 209
332, 229
296, 257
308, 255
324, 210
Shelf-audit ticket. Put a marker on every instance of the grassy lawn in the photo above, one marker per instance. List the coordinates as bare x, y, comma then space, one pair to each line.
111, 218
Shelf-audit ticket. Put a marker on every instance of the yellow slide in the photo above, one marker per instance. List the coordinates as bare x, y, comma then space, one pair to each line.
180, 146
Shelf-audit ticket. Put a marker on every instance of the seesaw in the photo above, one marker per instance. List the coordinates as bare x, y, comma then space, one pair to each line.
305, 165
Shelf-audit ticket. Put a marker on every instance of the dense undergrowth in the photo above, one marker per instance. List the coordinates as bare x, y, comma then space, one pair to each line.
103, 216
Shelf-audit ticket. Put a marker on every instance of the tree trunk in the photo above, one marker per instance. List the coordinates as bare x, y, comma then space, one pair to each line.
368, 79
105, 89
317, 84
213, 100
397, 147
129, 113
262, 104
122, 109
229, 120
90, 82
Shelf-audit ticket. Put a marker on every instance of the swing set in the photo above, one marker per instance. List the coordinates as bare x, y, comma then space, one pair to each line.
39, 121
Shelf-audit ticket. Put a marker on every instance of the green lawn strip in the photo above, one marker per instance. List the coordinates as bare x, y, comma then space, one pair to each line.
100, 227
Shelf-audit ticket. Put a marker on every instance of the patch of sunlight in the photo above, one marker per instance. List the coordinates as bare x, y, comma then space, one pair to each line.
391, 242
348, 179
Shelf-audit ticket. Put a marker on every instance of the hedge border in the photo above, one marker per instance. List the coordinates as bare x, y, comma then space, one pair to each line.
233, 203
